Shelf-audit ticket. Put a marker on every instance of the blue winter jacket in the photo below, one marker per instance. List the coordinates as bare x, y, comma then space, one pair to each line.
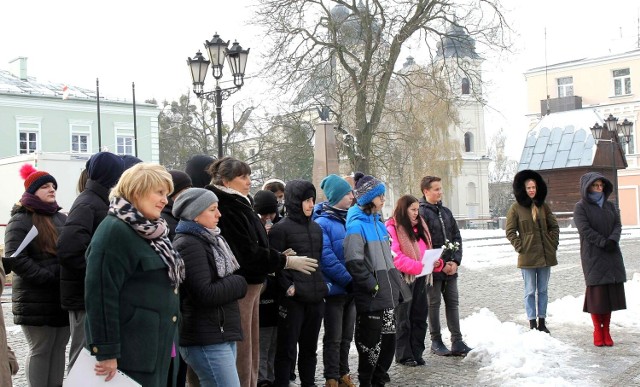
332, 262
369, 261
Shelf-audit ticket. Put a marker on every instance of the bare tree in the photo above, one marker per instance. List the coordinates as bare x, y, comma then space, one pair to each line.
501, 173
350, 52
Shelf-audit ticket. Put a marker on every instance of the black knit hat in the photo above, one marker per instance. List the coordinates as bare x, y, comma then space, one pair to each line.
105, 168
130, 161
197, 169
265, 202
180, 181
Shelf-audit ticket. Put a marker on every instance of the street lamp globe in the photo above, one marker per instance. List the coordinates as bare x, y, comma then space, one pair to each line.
612, 124
626, 129
217, 49
198, 66
237, 58
596, 131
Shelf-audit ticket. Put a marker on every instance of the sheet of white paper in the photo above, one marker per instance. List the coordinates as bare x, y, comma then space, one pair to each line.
31, 235
83, 375
428, 259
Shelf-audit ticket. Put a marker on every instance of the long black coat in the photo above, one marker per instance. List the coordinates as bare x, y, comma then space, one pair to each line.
596, 225
209, 306
87, 211
247, 237
36, 275
429, 213
304, 236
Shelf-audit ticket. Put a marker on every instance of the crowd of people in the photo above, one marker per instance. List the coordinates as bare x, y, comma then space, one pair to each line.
177, 277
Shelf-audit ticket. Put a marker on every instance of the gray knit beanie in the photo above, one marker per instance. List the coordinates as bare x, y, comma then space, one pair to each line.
192, 202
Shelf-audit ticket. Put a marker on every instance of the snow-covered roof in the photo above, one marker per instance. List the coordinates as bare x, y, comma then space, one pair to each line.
10, 83
561, 140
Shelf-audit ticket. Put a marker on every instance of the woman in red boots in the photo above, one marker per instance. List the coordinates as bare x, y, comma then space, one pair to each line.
598, 222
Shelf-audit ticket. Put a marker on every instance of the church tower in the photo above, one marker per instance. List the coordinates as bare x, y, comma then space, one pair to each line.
468, 197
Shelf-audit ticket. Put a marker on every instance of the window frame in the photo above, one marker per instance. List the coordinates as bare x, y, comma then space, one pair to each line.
624, 81
25, 124
80, 128
565, 89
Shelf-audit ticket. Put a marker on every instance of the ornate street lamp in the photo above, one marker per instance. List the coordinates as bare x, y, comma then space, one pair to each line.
218, 50
616, 140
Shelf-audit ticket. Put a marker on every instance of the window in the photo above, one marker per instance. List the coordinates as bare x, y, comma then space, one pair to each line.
622, 82
565, 87
28, 142
28, 129
468, 142
124, 145
630, 147
465, 85
79, 143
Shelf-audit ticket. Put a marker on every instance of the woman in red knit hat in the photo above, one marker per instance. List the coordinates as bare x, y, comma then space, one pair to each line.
36, 279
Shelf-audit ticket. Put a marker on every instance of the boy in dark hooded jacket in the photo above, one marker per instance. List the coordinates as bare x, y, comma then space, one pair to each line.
301, 306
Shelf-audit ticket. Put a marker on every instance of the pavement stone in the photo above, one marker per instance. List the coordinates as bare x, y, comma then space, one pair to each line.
500, 290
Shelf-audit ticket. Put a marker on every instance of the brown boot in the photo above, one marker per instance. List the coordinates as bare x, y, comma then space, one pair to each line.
331, 383
345, 381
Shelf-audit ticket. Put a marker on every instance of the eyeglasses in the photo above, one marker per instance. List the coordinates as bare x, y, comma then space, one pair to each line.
597, 185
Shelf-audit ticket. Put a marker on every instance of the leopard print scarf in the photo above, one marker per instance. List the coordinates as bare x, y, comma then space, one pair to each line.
155, 231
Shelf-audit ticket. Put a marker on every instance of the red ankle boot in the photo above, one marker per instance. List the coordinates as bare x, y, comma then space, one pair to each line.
606, 319
598, 334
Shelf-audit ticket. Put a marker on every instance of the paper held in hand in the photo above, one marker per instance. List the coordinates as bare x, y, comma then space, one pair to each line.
82, 374
31, 235
428, 259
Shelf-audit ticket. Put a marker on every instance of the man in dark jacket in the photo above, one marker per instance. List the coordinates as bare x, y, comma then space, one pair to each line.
181, 181
444, 231
88, 210
302, 306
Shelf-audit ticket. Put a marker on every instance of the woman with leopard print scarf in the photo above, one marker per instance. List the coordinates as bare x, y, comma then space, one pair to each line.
133, 275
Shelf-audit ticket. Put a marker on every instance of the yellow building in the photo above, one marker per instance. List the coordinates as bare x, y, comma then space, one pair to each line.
607, 85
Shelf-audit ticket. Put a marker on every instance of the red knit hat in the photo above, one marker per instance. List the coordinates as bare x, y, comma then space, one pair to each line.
34, 179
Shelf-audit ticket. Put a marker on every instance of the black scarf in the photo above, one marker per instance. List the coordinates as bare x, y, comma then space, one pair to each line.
38, 206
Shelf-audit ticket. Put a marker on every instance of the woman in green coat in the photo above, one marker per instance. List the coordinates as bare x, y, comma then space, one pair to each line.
133, 274
533, 231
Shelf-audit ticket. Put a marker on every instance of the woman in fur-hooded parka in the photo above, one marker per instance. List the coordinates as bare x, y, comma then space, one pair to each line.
599, 225
533, 231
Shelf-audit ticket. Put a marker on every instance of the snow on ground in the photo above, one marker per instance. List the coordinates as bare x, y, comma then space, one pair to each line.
476, 256
510, 354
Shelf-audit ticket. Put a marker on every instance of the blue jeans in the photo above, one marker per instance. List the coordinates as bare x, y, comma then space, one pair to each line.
536, 280
214, 364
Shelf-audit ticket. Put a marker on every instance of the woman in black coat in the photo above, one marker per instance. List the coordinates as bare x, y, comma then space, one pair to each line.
247, 238
210, 324
599, 226
36, 278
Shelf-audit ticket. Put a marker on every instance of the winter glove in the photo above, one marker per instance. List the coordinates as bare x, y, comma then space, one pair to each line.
302, 264
610, 246
13, 362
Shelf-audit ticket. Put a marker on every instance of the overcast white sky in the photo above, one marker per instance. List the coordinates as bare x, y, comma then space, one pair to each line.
147, 42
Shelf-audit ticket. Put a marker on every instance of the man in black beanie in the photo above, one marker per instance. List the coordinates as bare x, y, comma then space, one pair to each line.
86, 213
181, 181
197, 169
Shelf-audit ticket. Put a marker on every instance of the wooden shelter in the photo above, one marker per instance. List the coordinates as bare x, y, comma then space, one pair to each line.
562, 149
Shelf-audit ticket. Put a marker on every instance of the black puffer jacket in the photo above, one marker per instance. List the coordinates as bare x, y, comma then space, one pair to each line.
431, 214
208, 303
596, 225
298, 232
88, 210
247, 237
36, 278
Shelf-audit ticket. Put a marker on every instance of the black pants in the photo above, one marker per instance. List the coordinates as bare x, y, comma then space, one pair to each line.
375, 348
411, 319
298, 325
339, 324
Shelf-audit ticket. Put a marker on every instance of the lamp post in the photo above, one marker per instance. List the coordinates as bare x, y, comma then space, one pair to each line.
218, 50
612, 126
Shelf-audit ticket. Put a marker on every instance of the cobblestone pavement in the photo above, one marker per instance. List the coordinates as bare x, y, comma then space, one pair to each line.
500, 290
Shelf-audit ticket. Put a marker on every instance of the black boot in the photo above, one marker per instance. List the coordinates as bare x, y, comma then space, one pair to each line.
438, 348
542, 327
460, 348
533, 324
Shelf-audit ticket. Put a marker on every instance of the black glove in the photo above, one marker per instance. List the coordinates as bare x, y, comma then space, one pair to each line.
610, 246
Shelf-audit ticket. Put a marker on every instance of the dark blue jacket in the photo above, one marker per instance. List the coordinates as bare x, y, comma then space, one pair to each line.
332, 263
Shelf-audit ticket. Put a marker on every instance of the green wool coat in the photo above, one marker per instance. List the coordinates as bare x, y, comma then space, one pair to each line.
132, 309
535, 242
